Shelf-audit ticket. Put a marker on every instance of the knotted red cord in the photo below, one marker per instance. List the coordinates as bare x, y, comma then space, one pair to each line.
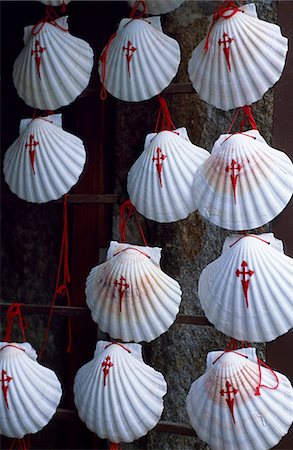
13, 312
164, 121
257, 389
221, 9
249, 235
247, 117
103, 59
50, 18
132, 248
114, 446
136, 13
21, 443
127, 209
120, 345
61, 288
232, 347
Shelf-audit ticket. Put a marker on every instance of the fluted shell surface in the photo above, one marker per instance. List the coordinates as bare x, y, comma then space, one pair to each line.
225, 411
158, 7
129, 296
247, 292
53, 68
55, 2
117, 395
246, 57
45, 161
160, 181
30, 392
244, 184
141, 60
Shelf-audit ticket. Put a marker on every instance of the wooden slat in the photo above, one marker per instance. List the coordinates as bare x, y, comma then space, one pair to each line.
74, 199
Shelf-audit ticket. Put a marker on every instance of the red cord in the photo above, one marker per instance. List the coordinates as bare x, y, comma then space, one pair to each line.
50, 18
257, 389
135, 13
247, 117
13, 312
164, 121
127, 208
221, 9
249, 235
120, 345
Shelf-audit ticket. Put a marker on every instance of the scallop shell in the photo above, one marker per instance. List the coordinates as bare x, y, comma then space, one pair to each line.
240, 70
240, 419
158, 7
30, 392
55, 2
130, 297
117, 395
141, 60
160, 181
58, 72
45, 161
244, 184
247, 292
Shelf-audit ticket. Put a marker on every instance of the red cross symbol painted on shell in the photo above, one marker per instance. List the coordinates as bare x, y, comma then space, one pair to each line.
107, 364
235, 169
245, 281
231, 392
122, 286
38, 52
160, 157
226, 40
5, 380
129, 53
31, 145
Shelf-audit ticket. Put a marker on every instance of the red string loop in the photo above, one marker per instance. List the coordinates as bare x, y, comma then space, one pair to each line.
250, 235
103, 59
127, 209
61, 288
114, 446
136, 13
221, 11
247, 118
50, 18
257, 389
132, 248
21, 443
13, 312
120, 345
232, 347
164, 121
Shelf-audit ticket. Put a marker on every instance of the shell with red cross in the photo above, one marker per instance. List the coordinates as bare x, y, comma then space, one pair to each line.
244, 184
239, 60
117, 395
30, 393
247, 292
45, 161
237, 404
54, 67
130, 297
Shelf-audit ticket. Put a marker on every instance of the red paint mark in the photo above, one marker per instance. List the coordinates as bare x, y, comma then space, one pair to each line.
129, 53
245, 282
159, 165
38, 52
5, 386
106, 367
235, 168
122, 284
230, 400
226, 40
32, 144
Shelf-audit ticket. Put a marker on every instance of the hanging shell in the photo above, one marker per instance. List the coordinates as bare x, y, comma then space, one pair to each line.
160, 181
247, 292
55, 2
141, 60
245, 57
130, 297
45, 161
244, 183
117, 395
158, 7
54, 67
30, 392
225, 410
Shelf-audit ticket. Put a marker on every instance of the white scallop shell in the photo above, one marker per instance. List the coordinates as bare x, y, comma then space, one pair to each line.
158, 7
256, 306
59, 159
117, 395
149, 65
130, 297
257, 56
260, 189
55, 2
161, 189
63, 71
260, 421
30, 392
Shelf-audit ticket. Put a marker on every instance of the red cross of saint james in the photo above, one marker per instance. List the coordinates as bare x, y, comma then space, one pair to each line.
160, 157
106, 367
235, 169
245, 282
32, 144
129, 53
5, 380
38, 52
230, 400
122, 286
226, 40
